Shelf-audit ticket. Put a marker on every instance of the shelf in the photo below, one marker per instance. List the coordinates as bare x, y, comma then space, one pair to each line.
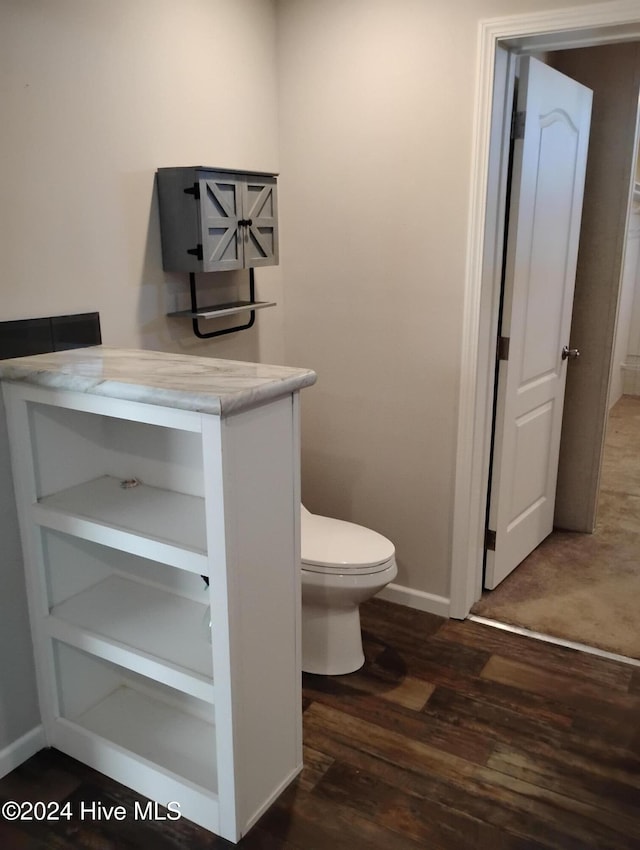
149, 521
228, 309
130, 684
148, 622
156, 731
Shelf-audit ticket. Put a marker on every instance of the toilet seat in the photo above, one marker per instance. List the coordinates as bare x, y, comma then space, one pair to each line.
335, 546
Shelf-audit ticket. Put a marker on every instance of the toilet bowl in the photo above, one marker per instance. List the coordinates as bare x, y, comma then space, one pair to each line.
343, 564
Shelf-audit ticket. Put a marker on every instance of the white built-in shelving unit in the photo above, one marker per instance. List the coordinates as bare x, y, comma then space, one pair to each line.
136, 678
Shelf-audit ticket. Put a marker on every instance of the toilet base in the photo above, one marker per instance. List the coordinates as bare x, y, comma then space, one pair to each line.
331, 639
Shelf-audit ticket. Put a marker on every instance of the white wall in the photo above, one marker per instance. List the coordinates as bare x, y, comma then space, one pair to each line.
95, 96
371, 129
376, 111
628, 350
623, 378
374, 189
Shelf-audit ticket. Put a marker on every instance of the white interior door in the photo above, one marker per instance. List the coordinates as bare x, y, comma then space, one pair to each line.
549, 164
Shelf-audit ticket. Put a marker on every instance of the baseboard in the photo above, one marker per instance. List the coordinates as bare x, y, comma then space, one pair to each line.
418, 599
21, 750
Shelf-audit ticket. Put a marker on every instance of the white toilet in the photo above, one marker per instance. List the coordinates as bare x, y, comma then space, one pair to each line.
343, 564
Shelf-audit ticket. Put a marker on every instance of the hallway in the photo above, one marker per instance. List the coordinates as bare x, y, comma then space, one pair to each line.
585, 587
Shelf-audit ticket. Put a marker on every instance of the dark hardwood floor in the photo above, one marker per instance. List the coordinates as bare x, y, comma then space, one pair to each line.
454, 735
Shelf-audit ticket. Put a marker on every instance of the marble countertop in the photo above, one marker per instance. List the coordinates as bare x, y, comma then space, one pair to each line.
182, 381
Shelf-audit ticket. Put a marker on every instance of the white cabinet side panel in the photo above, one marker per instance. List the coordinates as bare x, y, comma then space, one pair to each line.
262, 514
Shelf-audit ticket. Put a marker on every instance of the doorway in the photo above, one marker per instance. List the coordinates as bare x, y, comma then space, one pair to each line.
576, 586
612, 73
583, 588
501, 40
542, 235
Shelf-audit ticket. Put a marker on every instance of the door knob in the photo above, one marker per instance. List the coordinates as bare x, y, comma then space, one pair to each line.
570, 352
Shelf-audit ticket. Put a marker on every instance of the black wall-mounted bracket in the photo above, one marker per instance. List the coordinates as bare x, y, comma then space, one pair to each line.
218, 311
196, 316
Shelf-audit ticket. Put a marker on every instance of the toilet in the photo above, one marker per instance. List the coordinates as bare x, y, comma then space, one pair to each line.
343, 564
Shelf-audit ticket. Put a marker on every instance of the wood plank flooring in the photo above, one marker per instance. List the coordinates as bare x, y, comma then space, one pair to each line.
453, 736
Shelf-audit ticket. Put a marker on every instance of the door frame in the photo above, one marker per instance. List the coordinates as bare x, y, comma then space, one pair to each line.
500, 40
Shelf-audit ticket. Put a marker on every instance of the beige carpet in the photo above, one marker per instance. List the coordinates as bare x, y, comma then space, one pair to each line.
586, 587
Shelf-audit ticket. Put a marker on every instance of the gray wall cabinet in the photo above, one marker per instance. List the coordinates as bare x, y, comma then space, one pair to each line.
214, 219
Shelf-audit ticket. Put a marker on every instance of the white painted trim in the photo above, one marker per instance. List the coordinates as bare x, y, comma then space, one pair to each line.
466, 586
21, 750
597, 24
562, 28
417, 599
556, 641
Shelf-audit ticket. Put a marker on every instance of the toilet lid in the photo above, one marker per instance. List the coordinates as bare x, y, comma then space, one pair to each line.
332, 545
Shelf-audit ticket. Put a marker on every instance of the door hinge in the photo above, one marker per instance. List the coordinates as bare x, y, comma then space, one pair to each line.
517, 125
193, 190
503, 348
197, 251
490, 540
